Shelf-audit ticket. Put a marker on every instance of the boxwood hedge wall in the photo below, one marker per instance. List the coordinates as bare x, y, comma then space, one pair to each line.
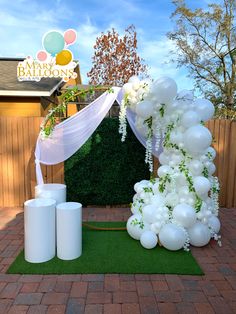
104, 170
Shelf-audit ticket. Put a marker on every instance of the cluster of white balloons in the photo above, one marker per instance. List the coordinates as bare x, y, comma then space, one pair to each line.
180, 206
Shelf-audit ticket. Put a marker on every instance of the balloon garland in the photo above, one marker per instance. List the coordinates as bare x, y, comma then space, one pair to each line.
180, 206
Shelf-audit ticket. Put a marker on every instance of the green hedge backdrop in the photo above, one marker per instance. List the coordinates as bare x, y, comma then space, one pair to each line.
104, 170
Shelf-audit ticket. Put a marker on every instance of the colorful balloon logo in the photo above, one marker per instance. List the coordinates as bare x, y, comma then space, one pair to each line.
64, 57
53, 42
70, 36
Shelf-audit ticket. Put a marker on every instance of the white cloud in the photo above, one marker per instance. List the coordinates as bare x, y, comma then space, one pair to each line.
22, 27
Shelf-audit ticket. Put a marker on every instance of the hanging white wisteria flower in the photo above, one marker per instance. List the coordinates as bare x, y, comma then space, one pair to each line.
181, 205
122, 120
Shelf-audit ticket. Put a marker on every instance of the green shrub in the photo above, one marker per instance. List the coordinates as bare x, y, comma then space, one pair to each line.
104, 170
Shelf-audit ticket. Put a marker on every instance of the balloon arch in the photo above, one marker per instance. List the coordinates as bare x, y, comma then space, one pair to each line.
180, 206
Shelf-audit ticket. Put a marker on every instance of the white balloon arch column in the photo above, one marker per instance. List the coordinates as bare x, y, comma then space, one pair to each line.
180, 206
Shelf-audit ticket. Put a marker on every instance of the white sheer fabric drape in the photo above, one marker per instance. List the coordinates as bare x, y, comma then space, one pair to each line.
69, 135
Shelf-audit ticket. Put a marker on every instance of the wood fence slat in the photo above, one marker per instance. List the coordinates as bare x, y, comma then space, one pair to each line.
21, 161
227, 148
34, 130
10, 162
4, 163
231, 182
58, 173
1, 163
221, 169
15, 161
26, 157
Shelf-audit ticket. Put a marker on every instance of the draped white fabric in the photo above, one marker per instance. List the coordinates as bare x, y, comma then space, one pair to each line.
69, 135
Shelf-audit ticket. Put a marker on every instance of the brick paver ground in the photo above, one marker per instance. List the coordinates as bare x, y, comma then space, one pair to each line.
215, 292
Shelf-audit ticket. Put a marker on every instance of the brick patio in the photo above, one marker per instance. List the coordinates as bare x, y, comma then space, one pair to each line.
215, 292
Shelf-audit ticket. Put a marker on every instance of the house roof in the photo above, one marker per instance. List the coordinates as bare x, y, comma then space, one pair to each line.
10, 86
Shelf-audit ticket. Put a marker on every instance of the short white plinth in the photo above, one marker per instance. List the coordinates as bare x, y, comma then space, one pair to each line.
69, 230
53, 191
39, 226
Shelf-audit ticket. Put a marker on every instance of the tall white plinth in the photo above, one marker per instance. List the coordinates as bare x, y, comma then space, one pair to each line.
39, 226
53, 191
69, 230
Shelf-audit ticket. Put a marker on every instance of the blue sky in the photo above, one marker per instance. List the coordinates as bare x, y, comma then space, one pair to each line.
23, 24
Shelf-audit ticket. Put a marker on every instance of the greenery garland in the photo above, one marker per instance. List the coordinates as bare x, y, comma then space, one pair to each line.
58, 112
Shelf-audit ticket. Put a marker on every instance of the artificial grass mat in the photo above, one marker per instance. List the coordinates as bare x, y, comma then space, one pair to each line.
113, 252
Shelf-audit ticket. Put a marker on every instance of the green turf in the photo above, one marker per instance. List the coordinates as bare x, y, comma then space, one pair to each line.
113, 252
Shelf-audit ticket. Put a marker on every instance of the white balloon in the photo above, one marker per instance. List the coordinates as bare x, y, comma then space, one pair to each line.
144, 109
171, 107
164, 89
157, 200
204, 108
141, 126
172, 237
190, 200
183, 190
155, 227
136, 86
176, 137
139, 187
148, 239
145, 182
195, 167
176, 158
135, 230
180, 180
163, 170
149, 212
184, 215
190, 118
127, 88
199, 234
197, 138
155, 187
172, 199
133, 79
214, 223
136, 186
212, 151
164, 158
211, 169
202, 185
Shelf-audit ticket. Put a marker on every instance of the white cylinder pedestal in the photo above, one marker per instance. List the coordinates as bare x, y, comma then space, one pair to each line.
53, 191
69, 230
39, 227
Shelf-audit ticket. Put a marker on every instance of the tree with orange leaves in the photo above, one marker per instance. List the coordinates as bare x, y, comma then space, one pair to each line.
116, 59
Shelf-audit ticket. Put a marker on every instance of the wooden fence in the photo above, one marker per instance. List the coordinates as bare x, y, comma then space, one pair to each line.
224, 142
18, 136
17, 170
